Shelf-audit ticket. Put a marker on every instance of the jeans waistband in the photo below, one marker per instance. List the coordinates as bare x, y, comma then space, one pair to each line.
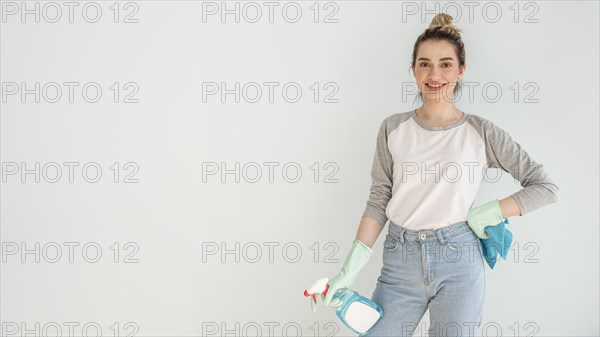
424, 235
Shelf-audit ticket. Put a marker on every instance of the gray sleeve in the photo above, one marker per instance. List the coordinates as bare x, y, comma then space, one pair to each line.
381, 178
504, 153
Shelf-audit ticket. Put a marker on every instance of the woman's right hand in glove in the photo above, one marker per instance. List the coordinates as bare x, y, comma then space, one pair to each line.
357, 258
336, 303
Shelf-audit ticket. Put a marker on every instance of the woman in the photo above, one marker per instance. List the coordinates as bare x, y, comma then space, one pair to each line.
427, 169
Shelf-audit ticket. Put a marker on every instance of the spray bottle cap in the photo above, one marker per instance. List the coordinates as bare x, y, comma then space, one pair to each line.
319, 287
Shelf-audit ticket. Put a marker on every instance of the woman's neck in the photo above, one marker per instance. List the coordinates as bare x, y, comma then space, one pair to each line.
439, 113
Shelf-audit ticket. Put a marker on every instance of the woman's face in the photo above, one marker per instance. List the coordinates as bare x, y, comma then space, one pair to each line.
437, 64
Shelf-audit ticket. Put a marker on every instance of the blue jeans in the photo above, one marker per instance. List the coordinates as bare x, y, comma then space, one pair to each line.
441, 269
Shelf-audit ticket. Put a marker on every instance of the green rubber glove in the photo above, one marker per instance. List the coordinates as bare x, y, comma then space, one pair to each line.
336, 303
488, 214
358, 257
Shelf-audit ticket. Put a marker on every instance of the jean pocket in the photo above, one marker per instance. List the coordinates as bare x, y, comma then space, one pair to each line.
390, 243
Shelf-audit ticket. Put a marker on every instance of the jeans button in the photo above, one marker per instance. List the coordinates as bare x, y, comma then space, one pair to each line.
423, 236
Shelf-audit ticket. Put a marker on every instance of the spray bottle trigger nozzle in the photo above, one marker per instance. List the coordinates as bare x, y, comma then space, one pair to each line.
325, 291
314, 296
319, 287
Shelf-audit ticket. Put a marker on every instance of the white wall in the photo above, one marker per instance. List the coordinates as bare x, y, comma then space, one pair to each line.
170, 217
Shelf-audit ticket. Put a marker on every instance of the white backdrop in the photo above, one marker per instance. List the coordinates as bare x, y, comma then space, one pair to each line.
161, 243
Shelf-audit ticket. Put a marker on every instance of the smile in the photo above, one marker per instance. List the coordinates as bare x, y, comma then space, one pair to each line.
434, 86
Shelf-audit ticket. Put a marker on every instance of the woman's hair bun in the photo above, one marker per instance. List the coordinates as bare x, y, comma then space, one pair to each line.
444, 22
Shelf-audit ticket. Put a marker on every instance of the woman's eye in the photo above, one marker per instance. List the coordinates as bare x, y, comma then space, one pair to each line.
445, 65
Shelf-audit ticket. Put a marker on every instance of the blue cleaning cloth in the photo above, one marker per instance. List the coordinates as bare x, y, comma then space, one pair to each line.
498, 242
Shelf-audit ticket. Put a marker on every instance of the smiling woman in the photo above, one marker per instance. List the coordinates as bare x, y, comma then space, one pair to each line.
429, 212
420, 187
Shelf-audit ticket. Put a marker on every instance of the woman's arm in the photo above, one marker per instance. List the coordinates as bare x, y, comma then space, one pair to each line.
538, 188
368, 231
509, 207
381, 188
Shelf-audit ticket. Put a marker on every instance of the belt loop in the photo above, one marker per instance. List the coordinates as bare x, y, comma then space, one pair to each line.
401, 235
441, 237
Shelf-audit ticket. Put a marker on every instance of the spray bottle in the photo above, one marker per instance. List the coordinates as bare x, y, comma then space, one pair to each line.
357, 312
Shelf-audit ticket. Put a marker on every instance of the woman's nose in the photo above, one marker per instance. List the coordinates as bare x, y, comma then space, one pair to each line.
434, 74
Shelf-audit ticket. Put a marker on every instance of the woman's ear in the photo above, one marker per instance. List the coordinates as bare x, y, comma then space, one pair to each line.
462, 71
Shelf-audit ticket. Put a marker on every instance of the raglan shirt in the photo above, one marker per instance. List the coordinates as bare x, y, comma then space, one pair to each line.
427, 177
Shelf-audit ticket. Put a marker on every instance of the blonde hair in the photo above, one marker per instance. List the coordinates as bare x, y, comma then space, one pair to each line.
442, 29
444, 21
